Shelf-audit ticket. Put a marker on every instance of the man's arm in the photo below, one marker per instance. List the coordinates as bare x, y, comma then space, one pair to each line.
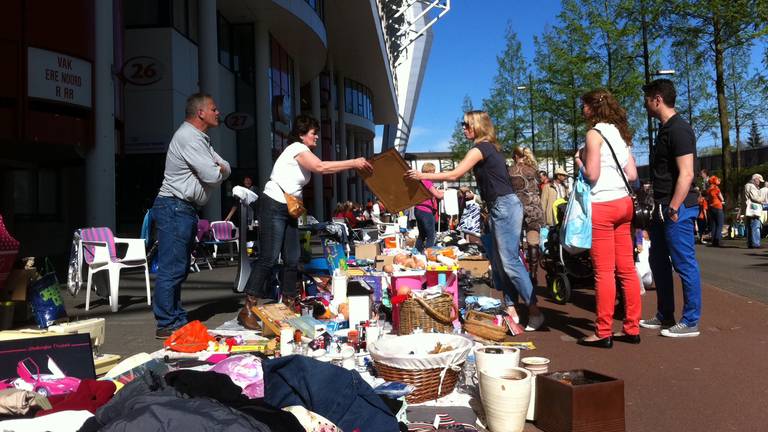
753, 193
209, 167
683, 185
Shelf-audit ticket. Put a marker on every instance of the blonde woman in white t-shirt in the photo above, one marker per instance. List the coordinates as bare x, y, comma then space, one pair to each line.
278, 231
612, 211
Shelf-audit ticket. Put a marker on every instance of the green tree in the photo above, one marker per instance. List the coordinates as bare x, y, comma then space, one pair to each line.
746, 99
720, 26
460, 145
754, 140
506, 105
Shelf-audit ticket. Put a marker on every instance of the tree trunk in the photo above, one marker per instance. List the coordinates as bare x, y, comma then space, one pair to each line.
736, 122
722, 107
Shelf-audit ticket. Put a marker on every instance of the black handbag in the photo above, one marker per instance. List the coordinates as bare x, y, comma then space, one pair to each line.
643, 209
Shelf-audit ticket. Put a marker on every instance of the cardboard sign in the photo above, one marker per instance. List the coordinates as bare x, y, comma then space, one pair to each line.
72, 354
389, 184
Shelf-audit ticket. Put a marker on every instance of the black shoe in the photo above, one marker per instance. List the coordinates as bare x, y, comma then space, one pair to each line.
164, 333
606, 342
632, 339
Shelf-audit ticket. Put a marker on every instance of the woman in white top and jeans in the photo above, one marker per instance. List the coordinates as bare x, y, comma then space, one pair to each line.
278, 231
612, 211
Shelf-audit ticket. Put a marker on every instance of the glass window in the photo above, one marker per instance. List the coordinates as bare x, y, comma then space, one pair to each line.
147, 13
225, 42
281, 79
35, 192
192, 15
358, 99
180, 16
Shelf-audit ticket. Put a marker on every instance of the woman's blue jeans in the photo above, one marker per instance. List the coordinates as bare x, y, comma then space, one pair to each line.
505, 223
278, 231
716, 221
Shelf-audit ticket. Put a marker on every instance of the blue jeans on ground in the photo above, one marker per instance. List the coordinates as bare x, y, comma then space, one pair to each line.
673, 246
716, 220
426, 223
753, 231
506, 224
278, 231
176, 222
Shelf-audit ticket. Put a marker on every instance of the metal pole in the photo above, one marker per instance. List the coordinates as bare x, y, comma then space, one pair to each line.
533, 137
647, 71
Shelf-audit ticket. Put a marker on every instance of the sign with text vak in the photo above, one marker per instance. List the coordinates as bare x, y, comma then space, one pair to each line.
58, 77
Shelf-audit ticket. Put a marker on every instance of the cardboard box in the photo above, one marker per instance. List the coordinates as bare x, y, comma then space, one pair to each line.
367, 251
382, 260
17, 283
579, 401
476, 266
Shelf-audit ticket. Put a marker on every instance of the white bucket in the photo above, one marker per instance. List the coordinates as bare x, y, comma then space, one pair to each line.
488, 359
537, 366
339, 288
505, 395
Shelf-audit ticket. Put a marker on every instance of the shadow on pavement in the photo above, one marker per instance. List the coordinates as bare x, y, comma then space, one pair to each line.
208, 310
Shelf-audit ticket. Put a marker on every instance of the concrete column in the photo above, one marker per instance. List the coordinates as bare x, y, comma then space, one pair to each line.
263, 103
344, 175
357, 143
208, 69
317, 179
296, 89
100, 161
329, 110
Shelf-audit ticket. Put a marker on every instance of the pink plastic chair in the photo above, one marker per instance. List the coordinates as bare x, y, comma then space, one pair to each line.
224, 232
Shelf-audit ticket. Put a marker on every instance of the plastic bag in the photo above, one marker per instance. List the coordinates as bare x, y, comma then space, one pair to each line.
577, 224
191, 338
246, 372
47, 304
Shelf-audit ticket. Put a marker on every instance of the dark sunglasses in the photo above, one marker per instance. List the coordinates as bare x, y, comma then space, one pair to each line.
465, 125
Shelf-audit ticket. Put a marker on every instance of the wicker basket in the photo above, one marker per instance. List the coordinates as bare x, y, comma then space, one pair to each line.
435, 314
426, 381
483, 325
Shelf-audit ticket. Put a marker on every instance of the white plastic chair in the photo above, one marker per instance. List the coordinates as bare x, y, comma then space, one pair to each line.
97, 247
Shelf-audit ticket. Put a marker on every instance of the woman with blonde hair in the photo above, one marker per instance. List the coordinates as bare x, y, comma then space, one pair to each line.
426, 211
606, 162
505, 212
523, 175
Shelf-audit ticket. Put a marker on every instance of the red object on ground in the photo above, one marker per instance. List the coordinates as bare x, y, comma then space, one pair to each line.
90, 395
9, 248
191, 338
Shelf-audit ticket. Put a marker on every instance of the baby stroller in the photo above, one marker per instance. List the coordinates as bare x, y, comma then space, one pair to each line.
564, 270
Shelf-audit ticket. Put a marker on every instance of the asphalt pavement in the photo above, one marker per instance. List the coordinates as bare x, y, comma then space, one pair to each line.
714, 382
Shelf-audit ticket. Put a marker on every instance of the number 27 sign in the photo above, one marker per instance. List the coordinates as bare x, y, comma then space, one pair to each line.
142, 70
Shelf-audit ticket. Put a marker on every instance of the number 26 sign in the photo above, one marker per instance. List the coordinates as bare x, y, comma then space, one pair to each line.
142, 70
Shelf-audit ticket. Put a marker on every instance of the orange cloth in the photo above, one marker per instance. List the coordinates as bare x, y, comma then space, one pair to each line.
702, 208
713, 197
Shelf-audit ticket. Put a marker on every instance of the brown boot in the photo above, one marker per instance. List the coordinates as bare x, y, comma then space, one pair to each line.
246, 317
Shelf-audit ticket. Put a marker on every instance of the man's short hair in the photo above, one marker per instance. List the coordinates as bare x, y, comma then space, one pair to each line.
664, 88
194, 103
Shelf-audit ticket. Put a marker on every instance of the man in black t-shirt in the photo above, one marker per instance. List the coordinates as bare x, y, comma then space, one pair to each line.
672, 224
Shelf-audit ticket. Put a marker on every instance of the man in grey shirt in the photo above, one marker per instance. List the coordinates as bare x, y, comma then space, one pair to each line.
192, 171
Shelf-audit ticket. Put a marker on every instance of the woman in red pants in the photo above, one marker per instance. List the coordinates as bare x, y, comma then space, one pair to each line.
611, 215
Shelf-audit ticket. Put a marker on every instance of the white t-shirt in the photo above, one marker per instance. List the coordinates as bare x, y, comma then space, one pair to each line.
610, 185
288, 174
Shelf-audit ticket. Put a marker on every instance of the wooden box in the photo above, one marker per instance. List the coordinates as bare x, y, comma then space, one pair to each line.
579, 401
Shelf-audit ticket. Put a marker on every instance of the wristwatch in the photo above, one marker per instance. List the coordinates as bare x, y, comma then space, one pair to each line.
671, 211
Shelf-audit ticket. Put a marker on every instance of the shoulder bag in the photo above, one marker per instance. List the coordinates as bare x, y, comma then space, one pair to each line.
641, 218
295, 205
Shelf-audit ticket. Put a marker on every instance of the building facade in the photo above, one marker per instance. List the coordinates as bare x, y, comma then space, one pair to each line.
93, 91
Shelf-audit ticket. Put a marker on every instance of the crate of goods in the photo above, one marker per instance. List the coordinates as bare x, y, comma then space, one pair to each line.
430, 315
484, 325
431, 362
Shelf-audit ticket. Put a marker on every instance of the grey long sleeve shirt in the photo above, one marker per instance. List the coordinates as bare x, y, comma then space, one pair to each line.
192, 167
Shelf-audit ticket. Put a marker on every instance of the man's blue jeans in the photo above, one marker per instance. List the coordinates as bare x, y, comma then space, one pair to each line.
506, 224
176, 222
278, 231
426, 223
753, 232
673, 246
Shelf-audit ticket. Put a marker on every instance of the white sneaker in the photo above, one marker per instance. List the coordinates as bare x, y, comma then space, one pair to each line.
534, 322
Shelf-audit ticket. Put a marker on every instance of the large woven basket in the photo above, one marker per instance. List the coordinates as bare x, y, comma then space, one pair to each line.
405, 359
433, 315
482, 325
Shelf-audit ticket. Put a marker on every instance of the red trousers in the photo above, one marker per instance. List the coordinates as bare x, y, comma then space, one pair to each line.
612, 259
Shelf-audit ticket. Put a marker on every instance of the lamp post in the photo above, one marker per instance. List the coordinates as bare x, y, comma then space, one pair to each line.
529, 87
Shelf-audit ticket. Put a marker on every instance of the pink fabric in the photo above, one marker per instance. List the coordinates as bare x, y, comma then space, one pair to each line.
101, 234
429, 205
203, 227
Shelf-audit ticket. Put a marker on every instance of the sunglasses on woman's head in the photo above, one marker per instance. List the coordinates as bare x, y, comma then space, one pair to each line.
465, 125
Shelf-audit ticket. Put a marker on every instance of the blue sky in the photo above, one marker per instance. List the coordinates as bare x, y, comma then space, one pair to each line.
463, 60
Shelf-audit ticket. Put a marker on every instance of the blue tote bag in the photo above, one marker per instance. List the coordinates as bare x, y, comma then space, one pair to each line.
577, 223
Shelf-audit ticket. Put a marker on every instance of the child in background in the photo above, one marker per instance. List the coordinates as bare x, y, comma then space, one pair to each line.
643, 267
